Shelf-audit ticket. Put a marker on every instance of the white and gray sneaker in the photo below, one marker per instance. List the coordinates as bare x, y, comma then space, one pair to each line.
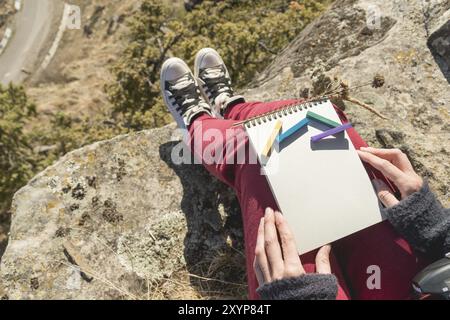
181, 92
215, 81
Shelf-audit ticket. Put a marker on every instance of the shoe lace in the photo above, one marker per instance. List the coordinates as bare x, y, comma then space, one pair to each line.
216, 81
185, 93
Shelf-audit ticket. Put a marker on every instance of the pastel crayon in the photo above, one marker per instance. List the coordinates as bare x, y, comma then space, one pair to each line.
331, 132
292, 130
273, 136
325, 121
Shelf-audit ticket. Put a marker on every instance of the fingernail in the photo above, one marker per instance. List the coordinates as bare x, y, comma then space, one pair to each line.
269, 211
364, 149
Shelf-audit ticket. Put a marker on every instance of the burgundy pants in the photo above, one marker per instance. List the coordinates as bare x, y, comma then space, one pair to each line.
351, 258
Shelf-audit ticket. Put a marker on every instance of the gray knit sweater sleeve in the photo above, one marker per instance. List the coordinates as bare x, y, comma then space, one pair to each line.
420, 219
306, 287
423, 222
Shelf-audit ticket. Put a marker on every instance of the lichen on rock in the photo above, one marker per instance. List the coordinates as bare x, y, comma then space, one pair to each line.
148, 228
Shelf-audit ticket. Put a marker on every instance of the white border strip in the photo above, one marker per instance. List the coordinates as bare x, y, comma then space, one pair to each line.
62, 27
18, 5
5, 40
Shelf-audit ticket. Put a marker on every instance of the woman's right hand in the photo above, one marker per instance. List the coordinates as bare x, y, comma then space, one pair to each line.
395, 166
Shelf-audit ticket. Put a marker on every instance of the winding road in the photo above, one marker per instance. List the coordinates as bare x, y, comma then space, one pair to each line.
31, 28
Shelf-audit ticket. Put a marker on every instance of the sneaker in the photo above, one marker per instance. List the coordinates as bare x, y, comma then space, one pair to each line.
181, 92
215, 81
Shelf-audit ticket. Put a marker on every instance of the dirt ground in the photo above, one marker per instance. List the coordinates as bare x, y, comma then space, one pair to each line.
74, 81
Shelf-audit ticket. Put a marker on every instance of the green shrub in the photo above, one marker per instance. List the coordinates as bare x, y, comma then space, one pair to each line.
17, 162
247, 33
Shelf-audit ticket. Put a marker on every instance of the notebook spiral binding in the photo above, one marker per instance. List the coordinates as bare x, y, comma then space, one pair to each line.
282, 112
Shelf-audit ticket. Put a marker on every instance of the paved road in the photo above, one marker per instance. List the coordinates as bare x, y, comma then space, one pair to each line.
32, 26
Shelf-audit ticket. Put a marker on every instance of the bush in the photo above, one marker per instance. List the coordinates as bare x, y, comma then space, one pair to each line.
17, 163
247, 33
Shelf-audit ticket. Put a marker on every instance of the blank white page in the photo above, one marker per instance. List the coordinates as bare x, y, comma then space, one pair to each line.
321, 188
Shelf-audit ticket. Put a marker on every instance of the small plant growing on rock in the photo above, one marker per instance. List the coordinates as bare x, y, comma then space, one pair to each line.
339, 90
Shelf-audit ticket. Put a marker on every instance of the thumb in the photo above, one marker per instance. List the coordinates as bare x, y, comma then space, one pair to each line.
323, 260
384, 194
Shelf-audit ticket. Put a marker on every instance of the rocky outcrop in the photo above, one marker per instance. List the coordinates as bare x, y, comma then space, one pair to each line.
408, 46
439, 41
119, 220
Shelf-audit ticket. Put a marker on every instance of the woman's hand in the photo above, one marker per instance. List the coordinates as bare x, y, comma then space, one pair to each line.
276, 252
394, 164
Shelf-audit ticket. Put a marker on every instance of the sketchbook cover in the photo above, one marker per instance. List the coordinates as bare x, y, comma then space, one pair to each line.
321, 188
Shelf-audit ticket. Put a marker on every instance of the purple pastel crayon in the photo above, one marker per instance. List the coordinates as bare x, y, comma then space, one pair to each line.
331, 132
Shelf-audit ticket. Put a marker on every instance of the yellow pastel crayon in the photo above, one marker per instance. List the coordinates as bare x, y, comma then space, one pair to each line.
272, 138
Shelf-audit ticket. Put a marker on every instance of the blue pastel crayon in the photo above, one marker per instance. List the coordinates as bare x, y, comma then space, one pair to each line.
292, 130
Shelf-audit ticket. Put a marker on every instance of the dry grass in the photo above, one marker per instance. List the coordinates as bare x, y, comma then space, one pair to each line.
223, 276
75, 79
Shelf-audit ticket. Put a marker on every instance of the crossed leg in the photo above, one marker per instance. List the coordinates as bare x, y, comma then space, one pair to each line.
376, 246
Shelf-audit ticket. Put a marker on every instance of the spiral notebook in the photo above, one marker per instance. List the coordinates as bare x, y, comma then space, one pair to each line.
322, 188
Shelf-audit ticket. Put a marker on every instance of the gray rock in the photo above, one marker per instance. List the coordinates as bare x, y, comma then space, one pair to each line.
135, 219
142, 227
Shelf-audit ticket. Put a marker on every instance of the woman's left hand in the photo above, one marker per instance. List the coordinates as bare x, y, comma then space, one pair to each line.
395, 166
276, 251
